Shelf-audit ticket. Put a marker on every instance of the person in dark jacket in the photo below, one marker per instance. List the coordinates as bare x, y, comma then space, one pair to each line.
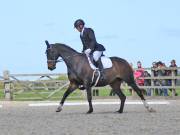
169, 73
90, 45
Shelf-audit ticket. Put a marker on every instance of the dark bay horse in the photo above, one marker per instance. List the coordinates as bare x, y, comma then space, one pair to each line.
80, 73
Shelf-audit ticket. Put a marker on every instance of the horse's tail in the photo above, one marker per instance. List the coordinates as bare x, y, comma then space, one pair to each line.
47, 43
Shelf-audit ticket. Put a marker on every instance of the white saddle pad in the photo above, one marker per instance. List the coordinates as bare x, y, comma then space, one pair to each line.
106, 61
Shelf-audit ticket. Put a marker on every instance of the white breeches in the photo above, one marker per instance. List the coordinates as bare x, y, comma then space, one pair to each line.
97, 55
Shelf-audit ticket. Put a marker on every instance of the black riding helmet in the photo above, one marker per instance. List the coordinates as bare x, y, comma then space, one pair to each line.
78, 22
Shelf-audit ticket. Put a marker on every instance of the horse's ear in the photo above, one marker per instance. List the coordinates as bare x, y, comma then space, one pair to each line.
47, 43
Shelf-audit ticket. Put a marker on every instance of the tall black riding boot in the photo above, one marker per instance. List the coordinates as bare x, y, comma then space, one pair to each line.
100, 66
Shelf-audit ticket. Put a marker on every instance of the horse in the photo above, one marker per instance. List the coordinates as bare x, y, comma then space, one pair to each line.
80, 74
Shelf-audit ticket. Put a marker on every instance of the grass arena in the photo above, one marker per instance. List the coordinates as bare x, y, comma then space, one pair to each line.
40, 118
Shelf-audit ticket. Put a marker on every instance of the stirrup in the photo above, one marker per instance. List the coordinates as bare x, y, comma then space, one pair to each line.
97, 74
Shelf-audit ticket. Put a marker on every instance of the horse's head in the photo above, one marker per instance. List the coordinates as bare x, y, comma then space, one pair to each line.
52, 56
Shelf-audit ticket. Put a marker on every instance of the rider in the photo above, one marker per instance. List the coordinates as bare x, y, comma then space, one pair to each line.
90, 45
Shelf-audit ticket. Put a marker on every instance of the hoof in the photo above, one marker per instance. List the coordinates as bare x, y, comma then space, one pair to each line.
89, 112
151, 110
59, 109
119, 111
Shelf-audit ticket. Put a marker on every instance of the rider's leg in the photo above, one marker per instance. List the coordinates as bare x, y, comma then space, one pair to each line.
100, 66
97, 55
97, 58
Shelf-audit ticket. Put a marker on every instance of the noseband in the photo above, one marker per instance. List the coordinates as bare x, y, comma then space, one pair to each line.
56, 61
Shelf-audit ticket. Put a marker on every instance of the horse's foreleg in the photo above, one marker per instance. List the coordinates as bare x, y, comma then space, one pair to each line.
70, 89
89, 98
122, 98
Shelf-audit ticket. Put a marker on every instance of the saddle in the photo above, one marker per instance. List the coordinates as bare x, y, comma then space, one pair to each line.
95, 79
106, 62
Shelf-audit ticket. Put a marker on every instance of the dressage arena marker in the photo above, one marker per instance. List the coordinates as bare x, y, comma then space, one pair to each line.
98, 103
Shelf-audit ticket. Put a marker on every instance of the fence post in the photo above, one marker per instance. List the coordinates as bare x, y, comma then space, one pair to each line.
95, 92
152, 81
173, 83
7, 86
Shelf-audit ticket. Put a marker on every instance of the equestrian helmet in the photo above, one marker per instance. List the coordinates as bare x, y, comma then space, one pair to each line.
78, 22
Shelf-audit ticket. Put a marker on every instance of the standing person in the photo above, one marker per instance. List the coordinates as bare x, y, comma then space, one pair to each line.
147, 82
139, 74
90, 45
162, 82
155, 74
169, 73
173, 64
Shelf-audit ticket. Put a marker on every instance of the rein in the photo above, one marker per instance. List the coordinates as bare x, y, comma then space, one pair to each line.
61, 60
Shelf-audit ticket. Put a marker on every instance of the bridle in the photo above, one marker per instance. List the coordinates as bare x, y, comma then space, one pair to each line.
55, 61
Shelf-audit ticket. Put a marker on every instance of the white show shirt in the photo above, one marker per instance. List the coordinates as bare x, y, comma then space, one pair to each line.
82, 31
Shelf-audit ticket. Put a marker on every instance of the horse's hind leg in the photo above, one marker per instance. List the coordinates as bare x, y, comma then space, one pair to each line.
116, 88
70, 89
139, 92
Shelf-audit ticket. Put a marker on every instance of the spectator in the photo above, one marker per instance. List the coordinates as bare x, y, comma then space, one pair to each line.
173, 64
169, 73
147, 82
161, 82
155, 74
139, 74
154, 68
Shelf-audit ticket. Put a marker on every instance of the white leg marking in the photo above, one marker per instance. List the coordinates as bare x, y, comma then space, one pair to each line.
147, 106
59, 108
